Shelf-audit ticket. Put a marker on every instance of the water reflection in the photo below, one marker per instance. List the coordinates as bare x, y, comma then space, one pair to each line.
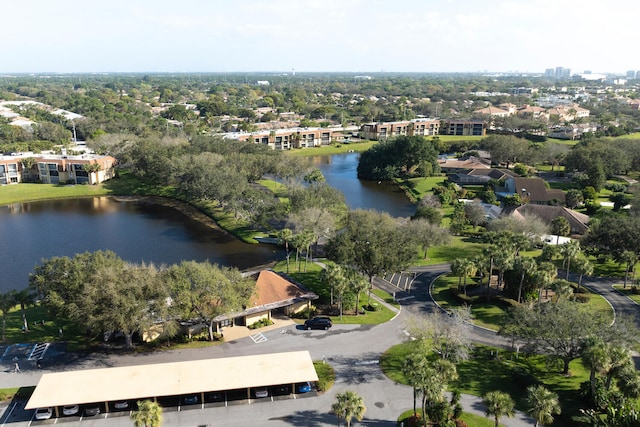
340, 171
137, 232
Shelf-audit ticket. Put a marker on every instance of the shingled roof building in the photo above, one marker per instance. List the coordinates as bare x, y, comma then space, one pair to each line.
273, 294
577, 221
532, 190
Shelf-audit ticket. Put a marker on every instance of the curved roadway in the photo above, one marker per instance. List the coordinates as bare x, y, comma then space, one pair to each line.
353, 351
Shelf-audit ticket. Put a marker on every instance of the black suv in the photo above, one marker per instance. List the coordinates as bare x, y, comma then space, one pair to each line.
318, 323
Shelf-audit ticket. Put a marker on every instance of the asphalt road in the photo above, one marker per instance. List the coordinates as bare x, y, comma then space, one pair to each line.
353, 351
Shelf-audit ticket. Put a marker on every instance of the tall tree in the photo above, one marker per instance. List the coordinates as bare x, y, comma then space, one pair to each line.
149, 414
365, 243
349, 405
498, 404
543, 404
7, 302
560, 227
205, 291
24, 297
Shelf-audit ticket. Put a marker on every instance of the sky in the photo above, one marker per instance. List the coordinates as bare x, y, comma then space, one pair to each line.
77, 36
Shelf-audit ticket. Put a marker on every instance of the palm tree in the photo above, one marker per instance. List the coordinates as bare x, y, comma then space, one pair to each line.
499, 404
562, 288
469, 268
629, 259
349, 405
149, 414
583, 267
569, 250
456, 268
543, 404
285, 236
527, 266
7, 302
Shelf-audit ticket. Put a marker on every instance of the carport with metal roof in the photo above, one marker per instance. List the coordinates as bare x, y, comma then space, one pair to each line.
169, 379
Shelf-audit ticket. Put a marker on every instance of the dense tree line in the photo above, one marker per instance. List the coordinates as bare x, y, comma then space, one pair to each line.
401, 156
100, 293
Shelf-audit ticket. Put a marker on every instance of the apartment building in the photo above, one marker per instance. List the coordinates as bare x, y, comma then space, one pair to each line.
56, 169
415, 127
286, 139
464, 127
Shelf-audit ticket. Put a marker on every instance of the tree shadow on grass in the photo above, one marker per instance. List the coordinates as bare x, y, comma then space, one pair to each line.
318, 419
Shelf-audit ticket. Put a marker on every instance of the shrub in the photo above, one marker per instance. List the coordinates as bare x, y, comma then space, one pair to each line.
374, 306
260, 323
582, 298
307, 313
635, 290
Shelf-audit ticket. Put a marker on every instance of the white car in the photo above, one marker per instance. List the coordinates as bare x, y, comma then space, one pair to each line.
261, 392
121, 404
44, 413
70, 409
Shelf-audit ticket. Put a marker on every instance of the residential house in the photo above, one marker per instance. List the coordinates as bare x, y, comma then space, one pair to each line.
531, 190
448, 165
578, 222
532, 111
481, 176
493, 112
274, 294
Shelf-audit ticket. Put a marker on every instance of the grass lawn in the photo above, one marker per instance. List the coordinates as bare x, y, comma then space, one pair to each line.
47, 332
471, 419
332, 149
628, 291
419, 186
460, 247
25, 192
326, 375
491, 314
491, 369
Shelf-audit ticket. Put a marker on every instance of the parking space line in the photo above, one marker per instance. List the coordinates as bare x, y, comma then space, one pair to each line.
258, 338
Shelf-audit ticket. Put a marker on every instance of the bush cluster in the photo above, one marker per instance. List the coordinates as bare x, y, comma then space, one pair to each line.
260, 323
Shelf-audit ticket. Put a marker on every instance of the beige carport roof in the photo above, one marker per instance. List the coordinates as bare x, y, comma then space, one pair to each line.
167, 379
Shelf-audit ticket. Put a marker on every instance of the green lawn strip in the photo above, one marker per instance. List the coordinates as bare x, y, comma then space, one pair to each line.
416, 188
460, 247
326, 375
7, 394
628, 291
471, 419
491, 369
384, 296
549, 168
279, 189
326, 150
26, 192
73, 335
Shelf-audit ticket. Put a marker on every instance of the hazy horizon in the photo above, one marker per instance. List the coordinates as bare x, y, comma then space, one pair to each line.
319, 36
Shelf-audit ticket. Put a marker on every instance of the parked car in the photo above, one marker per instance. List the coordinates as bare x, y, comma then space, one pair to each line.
121, 404
304, 387
70, 409
190, 400
43, 413
261, 392
318, 323
91, 410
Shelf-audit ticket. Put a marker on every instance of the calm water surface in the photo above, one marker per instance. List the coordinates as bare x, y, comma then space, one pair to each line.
136, 232
340, 171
